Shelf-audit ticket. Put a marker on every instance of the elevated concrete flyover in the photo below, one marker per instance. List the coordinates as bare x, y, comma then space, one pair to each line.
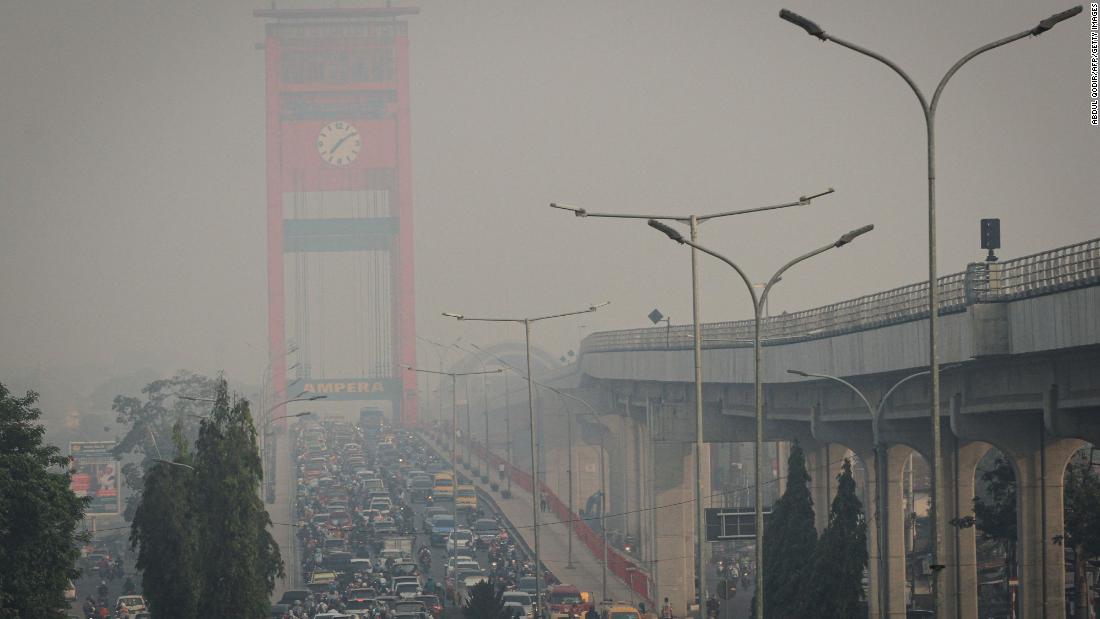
1021, 339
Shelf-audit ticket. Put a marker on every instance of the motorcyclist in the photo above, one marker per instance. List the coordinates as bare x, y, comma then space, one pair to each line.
101, 590
712, 606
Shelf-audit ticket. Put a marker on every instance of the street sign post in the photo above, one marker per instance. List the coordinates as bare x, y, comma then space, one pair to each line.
730, 523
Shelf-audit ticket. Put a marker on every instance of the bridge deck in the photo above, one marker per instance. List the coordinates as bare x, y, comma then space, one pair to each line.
553, 543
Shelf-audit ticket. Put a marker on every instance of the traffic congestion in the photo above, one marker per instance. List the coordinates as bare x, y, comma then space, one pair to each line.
385, 530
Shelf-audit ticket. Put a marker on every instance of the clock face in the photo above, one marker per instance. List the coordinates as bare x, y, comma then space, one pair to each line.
338, 143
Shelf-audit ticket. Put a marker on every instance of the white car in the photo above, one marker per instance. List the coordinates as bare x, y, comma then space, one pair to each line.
406, 590
521, 599
462, 539
132, 603
462, 563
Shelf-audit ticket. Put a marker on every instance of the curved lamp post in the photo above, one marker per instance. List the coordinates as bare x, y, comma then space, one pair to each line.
757, 308
929, 110
880, 463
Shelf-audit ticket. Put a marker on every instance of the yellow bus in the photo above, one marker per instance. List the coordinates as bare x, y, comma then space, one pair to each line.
443, 484
466, 497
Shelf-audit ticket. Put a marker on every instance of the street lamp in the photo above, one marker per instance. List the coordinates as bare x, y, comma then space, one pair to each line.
693, 222
880, 463
454, 438
535, 490
929, 110
757, 308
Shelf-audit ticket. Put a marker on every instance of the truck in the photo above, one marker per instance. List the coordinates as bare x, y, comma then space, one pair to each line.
565, 601
396, 547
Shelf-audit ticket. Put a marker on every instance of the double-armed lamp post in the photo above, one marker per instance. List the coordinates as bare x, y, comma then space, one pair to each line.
693, 221
531, 417
758, 306
928, 108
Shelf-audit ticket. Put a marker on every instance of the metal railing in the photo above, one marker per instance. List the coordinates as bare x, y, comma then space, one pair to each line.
1056, 270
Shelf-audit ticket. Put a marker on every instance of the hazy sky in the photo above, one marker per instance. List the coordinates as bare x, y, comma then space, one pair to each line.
132, 183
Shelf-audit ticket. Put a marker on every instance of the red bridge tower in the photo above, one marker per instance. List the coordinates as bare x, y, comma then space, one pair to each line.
341, 317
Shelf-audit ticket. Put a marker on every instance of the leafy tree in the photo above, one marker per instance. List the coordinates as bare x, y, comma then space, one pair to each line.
836, 589
151, 421
39, 543
163, 531
485, 602
238, 555
791, 540
1082, 522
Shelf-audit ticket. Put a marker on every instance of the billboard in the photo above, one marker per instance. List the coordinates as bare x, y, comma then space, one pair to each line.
95, 474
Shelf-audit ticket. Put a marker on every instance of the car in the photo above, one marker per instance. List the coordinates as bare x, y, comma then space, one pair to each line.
460, 539
132, 603
442, 525
294, 595
526, 584
462, 563
522, 599
486, 529
407, 589
623, 611
410, 606
432, 603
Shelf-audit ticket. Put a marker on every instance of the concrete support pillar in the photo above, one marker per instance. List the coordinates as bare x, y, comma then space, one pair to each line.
823, 462
893, 526
960, 578
674, 485
1040, 475
1039, 460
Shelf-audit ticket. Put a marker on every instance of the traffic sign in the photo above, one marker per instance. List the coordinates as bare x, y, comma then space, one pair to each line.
726, 523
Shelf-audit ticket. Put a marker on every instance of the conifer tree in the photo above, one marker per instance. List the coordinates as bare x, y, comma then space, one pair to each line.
836, 589
238, 557
791, 538
163, 531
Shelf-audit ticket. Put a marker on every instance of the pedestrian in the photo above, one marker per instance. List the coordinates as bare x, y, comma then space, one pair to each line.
666, 610
542, 501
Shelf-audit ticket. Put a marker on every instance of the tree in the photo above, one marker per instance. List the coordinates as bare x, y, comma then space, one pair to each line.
836, 589
151, 421
791, 539
485, 602
1082, 522
39, 542
238, 555
163, 531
